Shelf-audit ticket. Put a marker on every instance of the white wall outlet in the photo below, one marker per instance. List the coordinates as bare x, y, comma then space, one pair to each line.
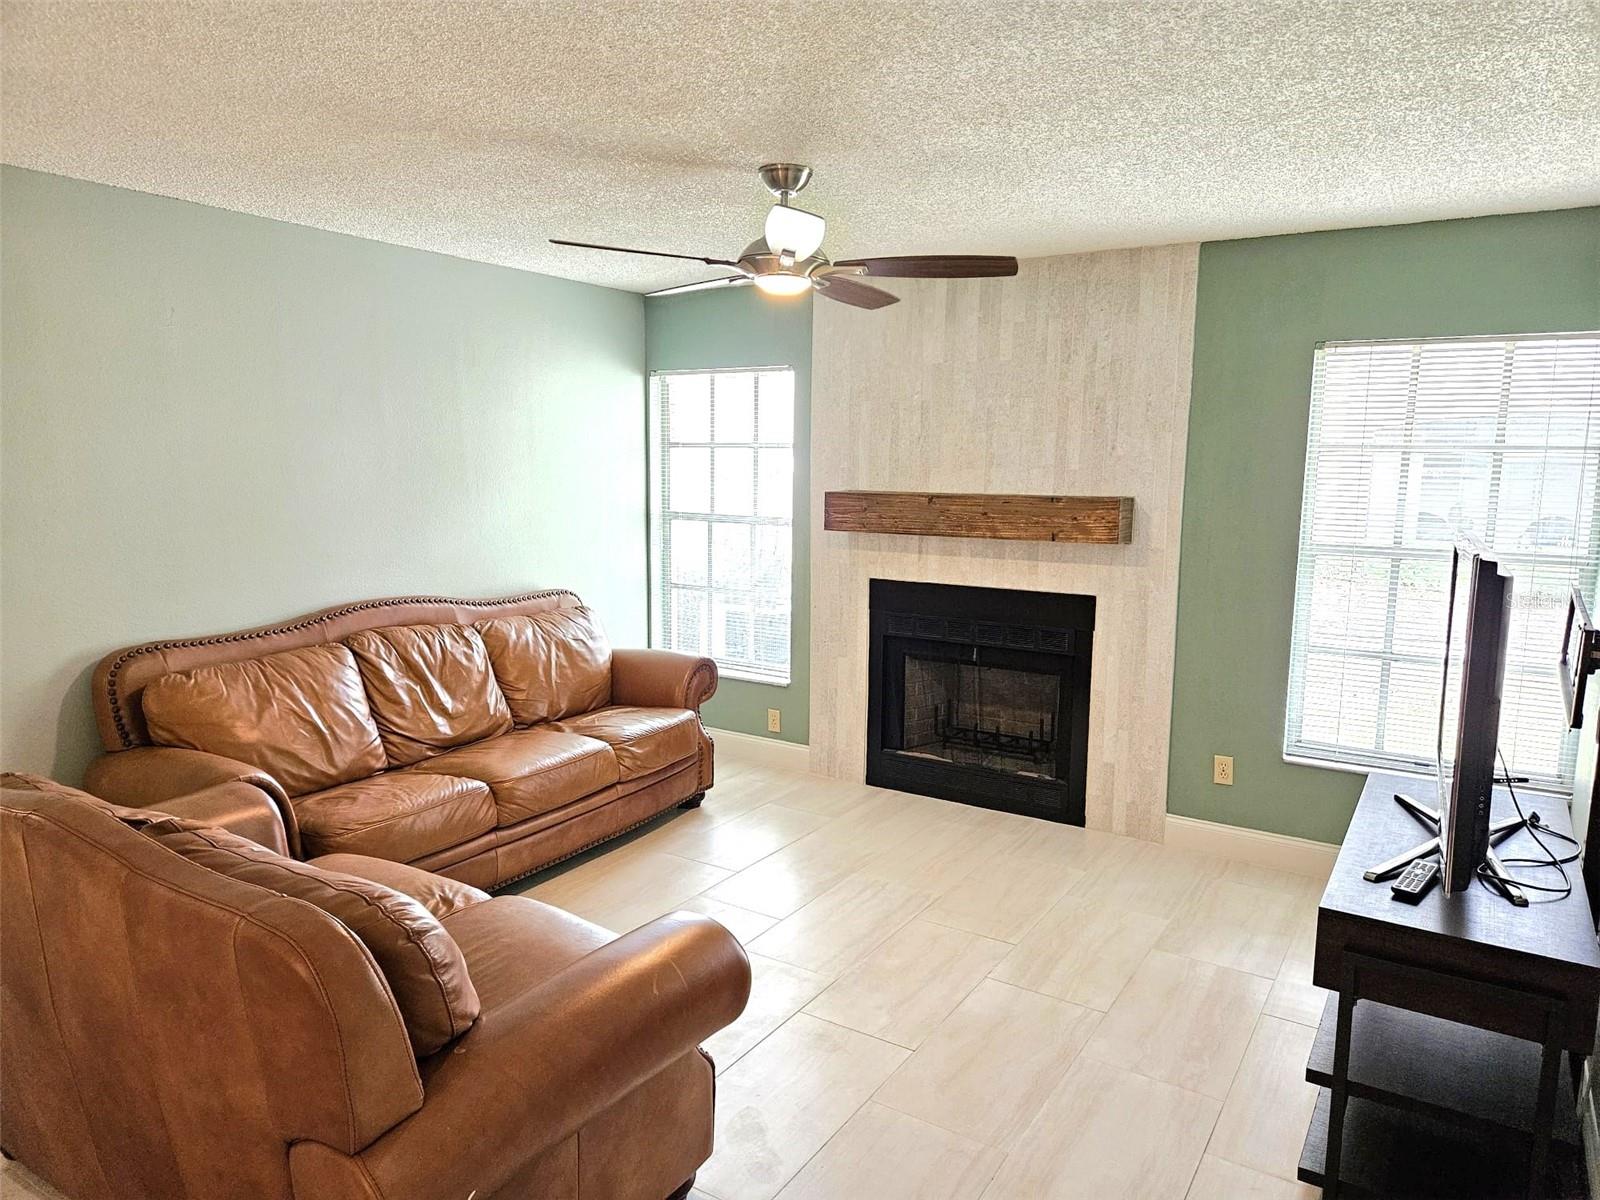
774, 724
1222, 769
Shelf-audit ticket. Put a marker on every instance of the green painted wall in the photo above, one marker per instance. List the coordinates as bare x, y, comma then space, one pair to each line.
742, 328
212, 420
1262, 306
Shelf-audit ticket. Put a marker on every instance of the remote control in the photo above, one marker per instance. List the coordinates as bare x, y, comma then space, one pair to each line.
1415, 881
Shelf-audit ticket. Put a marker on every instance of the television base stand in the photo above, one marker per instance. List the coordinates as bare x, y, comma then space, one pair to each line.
1466, 964
1428, 817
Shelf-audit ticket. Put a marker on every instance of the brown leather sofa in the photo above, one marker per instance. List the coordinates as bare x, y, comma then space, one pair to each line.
479, 739
186, 1015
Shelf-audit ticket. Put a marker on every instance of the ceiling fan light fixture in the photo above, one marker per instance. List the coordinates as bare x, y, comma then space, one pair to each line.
780, 284
794, 231
787, 261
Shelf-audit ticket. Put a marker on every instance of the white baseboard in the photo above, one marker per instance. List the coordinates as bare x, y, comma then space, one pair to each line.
772, 752
1298, 856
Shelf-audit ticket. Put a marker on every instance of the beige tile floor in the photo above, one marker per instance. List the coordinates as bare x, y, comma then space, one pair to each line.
955, 1004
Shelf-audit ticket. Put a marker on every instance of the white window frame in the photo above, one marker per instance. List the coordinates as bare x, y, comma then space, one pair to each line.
661, 517
1583, 559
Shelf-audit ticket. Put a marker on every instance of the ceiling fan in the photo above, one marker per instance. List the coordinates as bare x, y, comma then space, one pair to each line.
788, 260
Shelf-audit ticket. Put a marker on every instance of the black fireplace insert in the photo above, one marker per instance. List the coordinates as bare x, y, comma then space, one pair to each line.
980, 695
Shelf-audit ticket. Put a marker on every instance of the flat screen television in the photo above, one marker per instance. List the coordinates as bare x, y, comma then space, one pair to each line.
1469, 709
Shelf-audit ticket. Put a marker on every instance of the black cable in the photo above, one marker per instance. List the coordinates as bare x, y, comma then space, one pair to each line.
1551, 859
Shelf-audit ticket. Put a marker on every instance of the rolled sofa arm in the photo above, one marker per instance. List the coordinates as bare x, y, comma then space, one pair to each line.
534, 1071
155, 776
240, 808
662, 679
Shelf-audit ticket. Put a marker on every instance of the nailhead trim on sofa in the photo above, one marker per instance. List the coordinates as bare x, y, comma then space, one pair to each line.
117, 712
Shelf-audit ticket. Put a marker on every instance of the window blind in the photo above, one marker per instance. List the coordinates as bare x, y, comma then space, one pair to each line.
1410, 446
722, 517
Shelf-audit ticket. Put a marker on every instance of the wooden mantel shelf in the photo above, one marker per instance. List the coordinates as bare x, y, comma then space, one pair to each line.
1102, 520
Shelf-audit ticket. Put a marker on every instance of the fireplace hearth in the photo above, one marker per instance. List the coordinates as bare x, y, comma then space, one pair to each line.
980, 695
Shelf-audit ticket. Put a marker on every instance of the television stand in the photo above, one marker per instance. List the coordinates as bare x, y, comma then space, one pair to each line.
1430, 819
1441, 1057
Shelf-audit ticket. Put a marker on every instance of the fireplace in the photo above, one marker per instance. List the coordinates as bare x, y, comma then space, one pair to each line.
980, 695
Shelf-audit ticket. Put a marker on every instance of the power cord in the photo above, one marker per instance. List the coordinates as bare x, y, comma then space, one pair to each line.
1534, 826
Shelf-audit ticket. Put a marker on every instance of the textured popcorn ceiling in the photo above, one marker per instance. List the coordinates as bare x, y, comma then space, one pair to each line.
987, 126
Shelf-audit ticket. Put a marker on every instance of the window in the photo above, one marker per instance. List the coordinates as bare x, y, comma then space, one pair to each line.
1412, 444
722, 517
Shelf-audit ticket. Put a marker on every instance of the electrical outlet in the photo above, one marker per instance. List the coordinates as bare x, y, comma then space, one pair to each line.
774, 724
1222, 769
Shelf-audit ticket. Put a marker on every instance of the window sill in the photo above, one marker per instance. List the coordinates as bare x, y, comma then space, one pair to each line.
763, 680
1349, 768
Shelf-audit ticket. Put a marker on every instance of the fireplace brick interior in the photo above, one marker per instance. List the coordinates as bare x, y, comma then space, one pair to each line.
981, 716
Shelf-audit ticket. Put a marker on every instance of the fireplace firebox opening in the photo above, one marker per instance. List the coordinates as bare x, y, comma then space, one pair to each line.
980, 695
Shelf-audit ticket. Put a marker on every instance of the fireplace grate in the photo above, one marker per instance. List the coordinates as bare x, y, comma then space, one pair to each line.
1037, 746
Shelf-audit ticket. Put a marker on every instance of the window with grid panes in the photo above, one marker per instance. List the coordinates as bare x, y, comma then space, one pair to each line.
1412, 445
722, 517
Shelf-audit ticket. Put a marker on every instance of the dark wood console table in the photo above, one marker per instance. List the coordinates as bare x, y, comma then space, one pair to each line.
1440, 1053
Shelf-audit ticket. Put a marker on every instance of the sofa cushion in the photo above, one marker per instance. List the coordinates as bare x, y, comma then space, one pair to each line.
439, 894
643, 739
299, 715
551, 664
399, 814
512, 944
426, 971
431, 688
531, 771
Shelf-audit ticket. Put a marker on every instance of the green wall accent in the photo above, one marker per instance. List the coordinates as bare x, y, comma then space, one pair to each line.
214, 420
740, 327
1262, 305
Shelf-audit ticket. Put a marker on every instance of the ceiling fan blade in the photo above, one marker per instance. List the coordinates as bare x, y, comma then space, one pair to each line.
730, 281
936, 266
714, 262
848, 290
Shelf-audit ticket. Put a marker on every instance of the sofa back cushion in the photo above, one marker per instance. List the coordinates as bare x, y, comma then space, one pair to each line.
431, 688
299, 715
550, 665
421, 961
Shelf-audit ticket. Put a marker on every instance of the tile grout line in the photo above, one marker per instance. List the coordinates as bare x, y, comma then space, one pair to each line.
1004, 1152
1250, 1166
813, 1155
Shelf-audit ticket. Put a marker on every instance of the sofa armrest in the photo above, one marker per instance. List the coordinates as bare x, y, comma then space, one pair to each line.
537, 1068
240, 808
662, 679
153, 776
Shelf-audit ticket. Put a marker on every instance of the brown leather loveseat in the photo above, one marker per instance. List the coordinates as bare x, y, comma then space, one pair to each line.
187, 1015
479, 739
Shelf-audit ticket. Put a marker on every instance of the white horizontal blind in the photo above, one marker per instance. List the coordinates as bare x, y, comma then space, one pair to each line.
722, 517
1411, 445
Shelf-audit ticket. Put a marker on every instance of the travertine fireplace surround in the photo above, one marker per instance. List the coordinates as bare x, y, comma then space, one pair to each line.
1071, 379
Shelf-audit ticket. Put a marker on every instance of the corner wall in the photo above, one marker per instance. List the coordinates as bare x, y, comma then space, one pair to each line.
1262, 306
214, 420
740, 327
